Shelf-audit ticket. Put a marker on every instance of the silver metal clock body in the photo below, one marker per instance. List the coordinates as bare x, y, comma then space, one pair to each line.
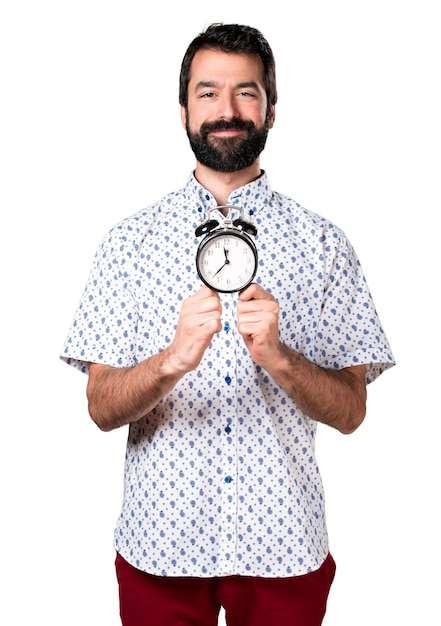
226, 260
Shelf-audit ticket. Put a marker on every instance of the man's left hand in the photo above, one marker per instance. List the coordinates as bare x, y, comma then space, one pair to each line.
258, 323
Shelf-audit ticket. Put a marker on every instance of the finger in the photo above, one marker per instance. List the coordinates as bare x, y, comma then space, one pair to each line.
203, 300
255, 292
205, 292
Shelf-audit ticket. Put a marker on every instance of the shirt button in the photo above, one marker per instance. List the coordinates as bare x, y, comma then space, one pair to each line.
228, 479
228, 380
226, 327
228, 429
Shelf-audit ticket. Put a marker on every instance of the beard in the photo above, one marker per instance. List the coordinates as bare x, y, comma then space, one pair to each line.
228, 154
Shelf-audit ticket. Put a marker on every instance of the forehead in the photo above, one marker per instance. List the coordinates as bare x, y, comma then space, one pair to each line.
216, 66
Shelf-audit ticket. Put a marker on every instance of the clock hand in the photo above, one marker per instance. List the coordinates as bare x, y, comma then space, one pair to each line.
221, 268
227, 261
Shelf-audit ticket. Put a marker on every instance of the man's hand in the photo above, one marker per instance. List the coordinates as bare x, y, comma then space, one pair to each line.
199, 320
119, 396
257, 322
334, 397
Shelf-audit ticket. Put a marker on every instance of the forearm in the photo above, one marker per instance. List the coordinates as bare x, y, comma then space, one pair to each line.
334, 397
120, 396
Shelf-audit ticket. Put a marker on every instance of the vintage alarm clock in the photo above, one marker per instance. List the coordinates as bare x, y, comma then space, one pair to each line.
226, 259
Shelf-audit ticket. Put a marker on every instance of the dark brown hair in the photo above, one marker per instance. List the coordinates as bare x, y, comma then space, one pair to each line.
235, 39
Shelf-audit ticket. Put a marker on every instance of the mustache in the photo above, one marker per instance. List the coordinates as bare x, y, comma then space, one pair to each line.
233, 124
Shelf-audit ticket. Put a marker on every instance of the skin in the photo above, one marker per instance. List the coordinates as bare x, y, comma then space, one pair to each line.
226, 86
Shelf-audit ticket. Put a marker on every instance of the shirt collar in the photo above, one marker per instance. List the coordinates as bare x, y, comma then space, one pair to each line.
251, 197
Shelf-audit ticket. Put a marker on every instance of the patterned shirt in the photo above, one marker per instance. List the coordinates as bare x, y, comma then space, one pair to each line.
221, 477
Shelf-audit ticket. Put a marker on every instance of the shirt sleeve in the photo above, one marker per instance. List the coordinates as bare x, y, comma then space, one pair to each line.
104, 327
349, 331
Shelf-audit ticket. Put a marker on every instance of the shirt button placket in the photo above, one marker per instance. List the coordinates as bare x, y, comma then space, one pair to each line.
229, 464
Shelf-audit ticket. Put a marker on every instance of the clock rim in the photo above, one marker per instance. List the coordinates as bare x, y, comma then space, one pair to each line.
224, 232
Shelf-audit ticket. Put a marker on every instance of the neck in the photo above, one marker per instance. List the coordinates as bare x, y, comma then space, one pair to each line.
221, 184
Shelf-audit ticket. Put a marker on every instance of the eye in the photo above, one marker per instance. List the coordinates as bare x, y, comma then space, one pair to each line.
248, 90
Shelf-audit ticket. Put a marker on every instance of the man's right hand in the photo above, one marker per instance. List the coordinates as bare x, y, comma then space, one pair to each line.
199, 320
120, 396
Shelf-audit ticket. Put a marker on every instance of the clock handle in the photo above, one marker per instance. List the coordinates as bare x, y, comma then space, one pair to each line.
206, 227
247, 227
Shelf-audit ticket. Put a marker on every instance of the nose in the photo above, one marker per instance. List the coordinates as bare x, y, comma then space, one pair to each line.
227, 107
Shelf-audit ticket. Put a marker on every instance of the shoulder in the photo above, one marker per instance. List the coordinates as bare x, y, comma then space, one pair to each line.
305, 223
133, 229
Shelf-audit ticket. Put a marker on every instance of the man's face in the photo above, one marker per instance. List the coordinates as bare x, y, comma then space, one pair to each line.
227, 118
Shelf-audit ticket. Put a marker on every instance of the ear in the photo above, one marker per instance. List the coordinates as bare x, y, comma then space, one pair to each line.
272, 116
183, 116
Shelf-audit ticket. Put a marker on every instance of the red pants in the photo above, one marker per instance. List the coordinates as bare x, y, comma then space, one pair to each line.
147, 600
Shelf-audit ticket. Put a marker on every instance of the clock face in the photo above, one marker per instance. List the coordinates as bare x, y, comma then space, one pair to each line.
227, 261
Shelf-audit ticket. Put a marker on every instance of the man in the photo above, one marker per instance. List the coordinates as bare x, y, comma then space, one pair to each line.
223, 502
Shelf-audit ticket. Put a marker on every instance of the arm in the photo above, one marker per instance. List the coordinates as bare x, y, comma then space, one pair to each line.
334, 397
120, 396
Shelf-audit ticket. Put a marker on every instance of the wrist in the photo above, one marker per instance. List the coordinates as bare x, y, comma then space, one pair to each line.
170, 365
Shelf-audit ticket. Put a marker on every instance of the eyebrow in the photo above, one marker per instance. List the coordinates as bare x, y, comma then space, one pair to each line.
203, 84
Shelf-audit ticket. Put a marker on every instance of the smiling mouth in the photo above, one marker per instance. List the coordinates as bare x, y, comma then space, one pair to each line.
228, 132
226, 128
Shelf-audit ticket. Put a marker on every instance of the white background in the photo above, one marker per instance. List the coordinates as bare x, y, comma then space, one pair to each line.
90, 133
